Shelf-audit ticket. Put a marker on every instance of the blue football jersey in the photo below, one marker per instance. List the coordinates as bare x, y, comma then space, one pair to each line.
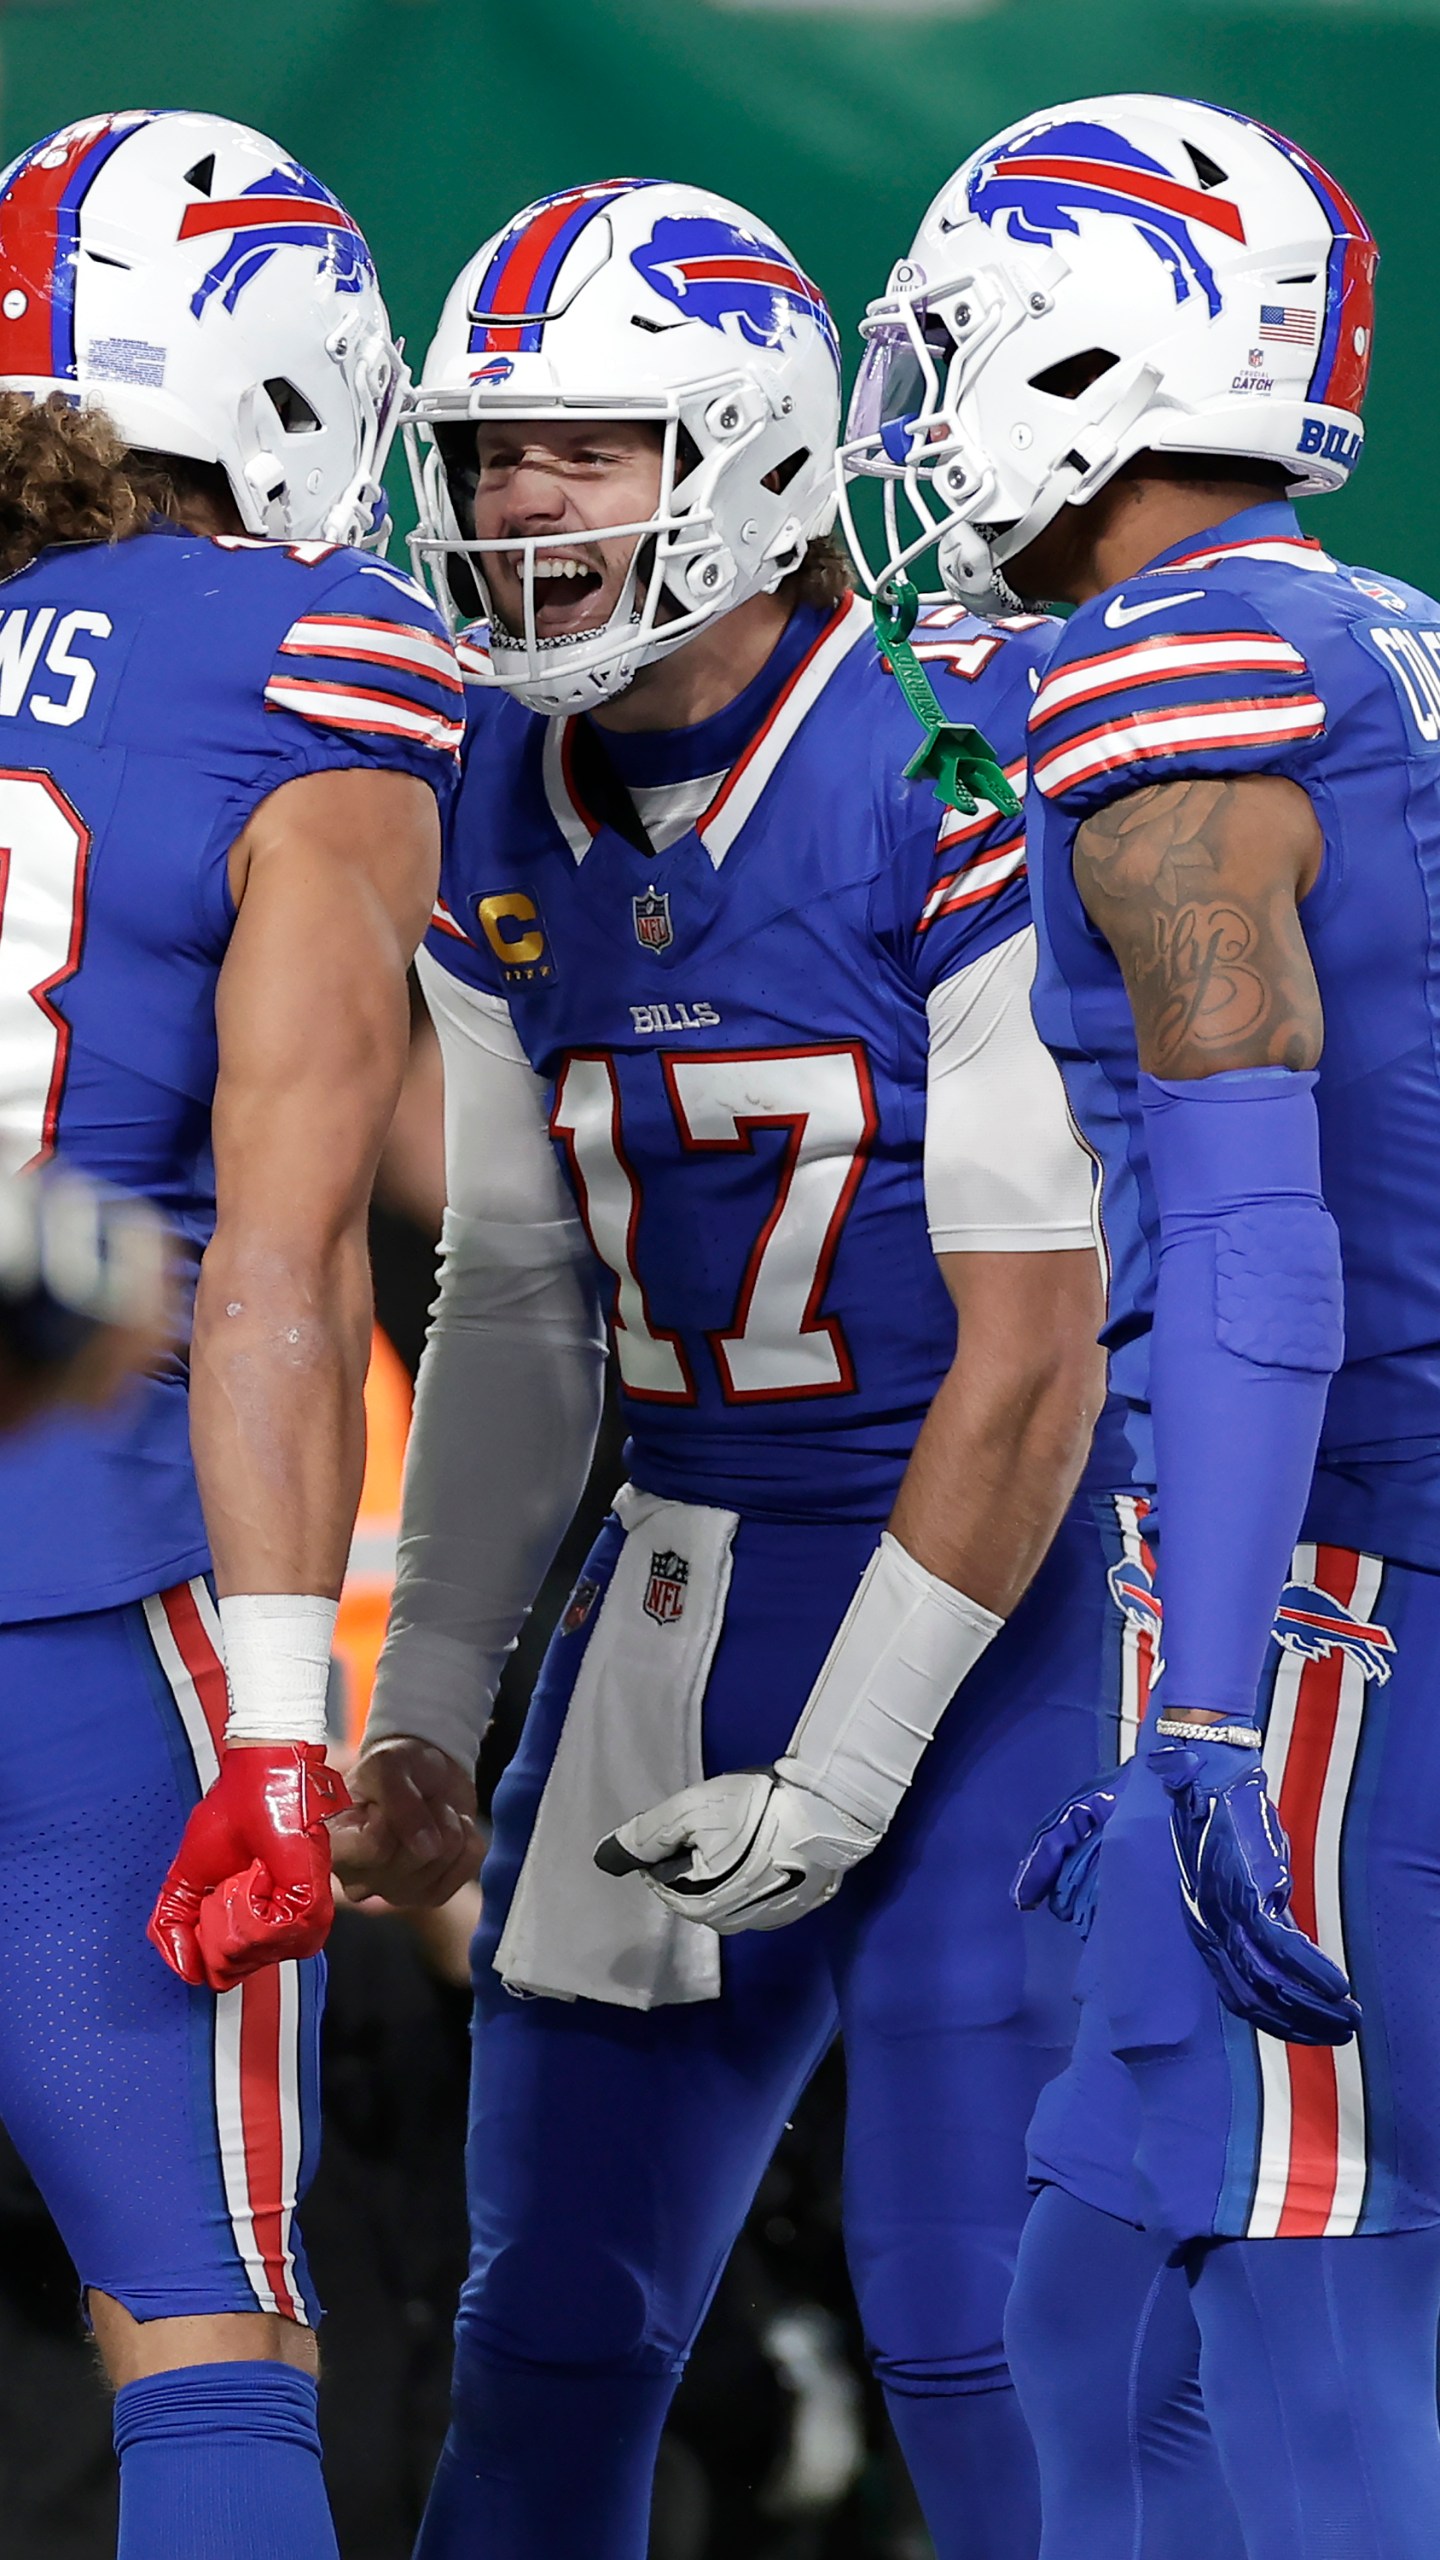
151, 695
734, 1037
1252, 651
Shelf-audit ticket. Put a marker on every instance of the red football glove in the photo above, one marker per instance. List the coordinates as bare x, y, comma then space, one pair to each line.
249, 1884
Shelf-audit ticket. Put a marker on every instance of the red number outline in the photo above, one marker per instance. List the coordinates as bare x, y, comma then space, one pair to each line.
47, 987
811, 1321
689, 1394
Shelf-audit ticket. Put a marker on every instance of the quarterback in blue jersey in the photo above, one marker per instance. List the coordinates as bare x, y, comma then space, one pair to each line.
1236, 815
773, 1003
228, 734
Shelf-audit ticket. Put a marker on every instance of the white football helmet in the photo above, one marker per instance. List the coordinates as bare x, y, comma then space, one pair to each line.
633, 299
215, 299
1122, 275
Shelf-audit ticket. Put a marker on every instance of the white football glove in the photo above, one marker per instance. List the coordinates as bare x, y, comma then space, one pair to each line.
757, 1848
750, 1850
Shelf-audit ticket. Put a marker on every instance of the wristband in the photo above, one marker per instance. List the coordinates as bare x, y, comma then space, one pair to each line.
1245, 1737
277, 1660
906, 1642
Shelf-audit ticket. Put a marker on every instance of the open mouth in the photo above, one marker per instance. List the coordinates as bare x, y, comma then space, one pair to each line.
566, 594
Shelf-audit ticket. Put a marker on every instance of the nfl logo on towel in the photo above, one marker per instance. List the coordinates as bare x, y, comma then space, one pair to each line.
653, 929
669, 1573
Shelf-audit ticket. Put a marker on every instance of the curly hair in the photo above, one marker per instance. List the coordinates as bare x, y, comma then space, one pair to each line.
823, 577
66, 476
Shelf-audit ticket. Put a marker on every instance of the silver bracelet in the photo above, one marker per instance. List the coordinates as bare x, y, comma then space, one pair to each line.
1245, 1737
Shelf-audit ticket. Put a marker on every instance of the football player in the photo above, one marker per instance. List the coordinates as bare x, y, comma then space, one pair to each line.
227, 732
773, 1003
1129, 333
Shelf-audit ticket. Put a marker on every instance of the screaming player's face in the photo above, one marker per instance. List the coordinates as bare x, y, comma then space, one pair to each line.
545, 476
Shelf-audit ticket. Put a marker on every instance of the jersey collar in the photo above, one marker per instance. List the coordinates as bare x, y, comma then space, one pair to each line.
1271, 532
734, 801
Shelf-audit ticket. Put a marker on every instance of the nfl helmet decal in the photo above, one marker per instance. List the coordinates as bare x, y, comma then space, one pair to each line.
512, 299
1042, 181
286, 210
729, 278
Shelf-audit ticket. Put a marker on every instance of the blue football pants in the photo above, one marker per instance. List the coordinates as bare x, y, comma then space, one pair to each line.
1313, 2360
170, 2132
614, 2153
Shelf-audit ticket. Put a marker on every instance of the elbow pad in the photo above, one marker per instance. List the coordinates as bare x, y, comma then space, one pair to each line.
1238, 1157
1248, 1332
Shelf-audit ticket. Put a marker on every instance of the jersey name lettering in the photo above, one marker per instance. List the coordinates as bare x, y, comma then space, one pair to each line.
1414, 657
24, 635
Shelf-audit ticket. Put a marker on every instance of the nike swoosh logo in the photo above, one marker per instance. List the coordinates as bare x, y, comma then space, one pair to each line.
1118, 612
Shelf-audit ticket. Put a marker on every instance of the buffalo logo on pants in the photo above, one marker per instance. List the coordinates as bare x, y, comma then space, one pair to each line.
1309, 1622
665, 1591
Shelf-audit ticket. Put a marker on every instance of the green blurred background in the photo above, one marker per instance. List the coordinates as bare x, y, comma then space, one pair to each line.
435, 119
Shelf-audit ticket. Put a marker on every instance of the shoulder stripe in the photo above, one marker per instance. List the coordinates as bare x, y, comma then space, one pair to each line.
443, 922
378, 643
956, 830
1181, 730
1156, 661
980, 878
354, 706
1294, 550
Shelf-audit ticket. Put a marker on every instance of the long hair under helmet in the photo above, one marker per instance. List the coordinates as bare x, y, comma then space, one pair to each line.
1122, 275
632, 300
216, 300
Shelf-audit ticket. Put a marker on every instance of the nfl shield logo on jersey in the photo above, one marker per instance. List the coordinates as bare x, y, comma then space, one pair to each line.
665, 1592
653, 929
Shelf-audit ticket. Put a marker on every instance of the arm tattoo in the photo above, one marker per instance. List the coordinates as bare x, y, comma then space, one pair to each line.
1194, 886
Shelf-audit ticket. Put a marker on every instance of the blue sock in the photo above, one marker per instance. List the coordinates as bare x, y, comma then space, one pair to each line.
1105, 2353
221, 2462
546, 2464
969, 2454
1318, 2367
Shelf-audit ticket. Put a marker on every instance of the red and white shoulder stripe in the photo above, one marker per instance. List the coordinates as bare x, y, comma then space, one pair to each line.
371, 675
375, 643
1178, 729
984, 866
1163, 659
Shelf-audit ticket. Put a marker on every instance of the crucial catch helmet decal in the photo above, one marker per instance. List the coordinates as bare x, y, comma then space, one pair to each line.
732, 280
1040, 183
286, 210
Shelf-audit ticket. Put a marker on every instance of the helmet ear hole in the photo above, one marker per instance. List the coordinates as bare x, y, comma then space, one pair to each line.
784, 472
292, 408
1073, 375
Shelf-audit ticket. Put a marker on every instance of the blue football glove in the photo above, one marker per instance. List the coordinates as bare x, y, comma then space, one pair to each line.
1235, 1880
1062, 1862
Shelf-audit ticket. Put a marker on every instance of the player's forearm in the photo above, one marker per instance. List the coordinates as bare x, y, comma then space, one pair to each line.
506, 1411
277, 1419
998, 1458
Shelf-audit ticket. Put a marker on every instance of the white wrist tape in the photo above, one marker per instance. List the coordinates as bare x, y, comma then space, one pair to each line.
906, 1643
277, 1658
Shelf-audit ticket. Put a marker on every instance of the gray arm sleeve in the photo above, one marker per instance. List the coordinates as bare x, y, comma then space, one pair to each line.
1004, 1170
508, 1398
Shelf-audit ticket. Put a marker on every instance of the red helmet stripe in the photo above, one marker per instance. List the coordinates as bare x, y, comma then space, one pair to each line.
264, 213
1105, 177
33, 217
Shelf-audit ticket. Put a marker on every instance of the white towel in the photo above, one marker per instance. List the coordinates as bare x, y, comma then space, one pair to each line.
631, 1737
